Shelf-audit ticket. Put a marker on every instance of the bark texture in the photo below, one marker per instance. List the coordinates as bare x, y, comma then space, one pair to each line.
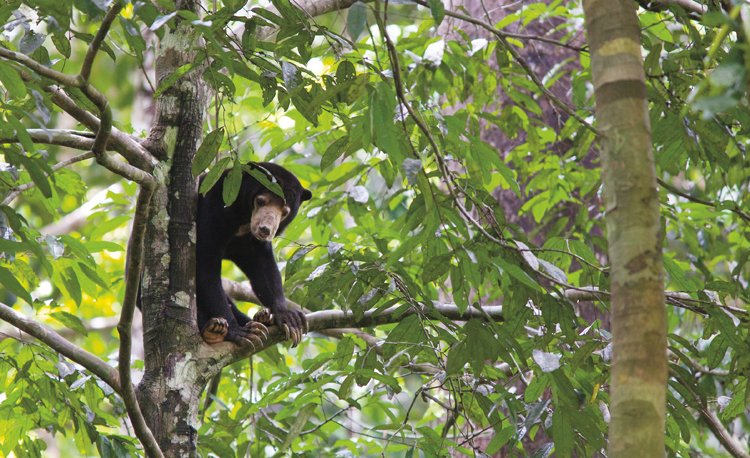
174, 379
639, 367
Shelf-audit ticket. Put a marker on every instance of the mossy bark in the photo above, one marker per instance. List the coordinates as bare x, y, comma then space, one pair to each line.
639, 366
174, 379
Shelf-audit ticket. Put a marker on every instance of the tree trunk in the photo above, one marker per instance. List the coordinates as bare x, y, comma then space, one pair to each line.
639, 367
173, 380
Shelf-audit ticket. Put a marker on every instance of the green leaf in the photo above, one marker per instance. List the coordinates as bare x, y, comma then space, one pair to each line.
62, 43
299, 423
356, 20
716, 350
345, 390
408, 332
333, 152
458, 356
232, 184
739, 402
169, 81
681, 279
11, 246
72, 286
344, 352
517, 272
23, 136
262, 175
70, 321
501, 438
9, 282
436, 268
213, 175
481, 344
437, 9
37, 175
207, 151
12, 81
562, 432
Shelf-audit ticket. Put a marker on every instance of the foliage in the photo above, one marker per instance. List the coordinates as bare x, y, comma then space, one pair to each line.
410, 209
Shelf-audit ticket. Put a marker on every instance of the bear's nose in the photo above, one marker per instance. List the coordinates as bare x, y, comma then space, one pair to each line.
264, 231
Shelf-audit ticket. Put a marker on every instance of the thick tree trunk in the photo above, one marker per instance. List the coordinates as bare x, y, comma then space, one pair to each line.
173, 380
639, 368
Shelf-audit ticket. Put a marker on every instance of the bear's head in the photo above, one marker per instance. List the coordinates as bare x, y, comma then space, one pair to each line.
270, 214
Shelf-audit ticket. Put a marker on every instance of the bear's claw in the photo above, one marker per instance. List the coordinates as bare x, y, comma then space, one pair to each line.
252, 334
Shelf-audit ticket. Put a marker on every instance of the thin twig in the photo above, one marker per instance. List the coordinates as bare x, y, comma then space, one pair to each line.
735, 209
731, 445
503, 38
398, 83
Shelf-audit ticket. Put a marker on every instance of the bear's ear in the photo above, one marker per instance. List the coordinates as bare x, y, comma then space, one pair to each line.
306, 195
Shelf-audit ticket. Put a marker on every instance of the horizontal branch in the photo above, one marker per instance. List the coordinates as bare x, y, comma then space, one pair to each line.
75, 139
338, 320
55, 341
95, 325
38, 68
244, 292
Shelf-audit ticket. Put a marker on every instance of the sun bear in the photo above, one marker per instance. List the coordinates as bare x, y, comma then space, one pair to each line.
242, 233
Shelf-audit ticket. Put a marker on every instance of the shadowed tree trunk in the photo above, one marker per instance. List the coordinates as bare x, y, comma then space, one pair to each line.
170, 390
639, 367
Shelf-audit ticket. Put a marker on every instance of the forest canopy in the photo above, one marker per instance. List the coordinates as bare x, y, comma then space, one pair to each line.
453, 261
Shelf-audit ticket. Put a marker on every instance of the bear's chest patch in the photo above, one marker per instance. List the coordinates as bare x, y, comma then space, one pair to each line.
244, 229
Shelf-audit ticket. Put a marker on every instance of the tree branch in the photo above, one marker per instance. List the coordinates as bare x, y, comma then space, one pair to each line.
55, 341
735, 208
39, 69
81, 140
227, 352
131, 150
244, 292
675, 298
132, 285
690, 6
88, 61
128, 146
731, 445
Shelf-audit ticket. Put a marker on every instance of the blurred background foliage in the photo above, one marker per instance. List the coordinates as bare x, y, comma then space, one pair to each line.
491, 198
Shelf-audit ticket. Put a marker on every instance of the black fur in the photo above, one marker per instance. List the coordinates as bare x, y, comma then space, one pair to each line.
217, 226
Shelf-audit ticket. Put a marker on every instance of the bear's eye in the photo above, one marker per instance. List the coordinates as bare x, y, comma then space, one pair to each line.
260, 201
